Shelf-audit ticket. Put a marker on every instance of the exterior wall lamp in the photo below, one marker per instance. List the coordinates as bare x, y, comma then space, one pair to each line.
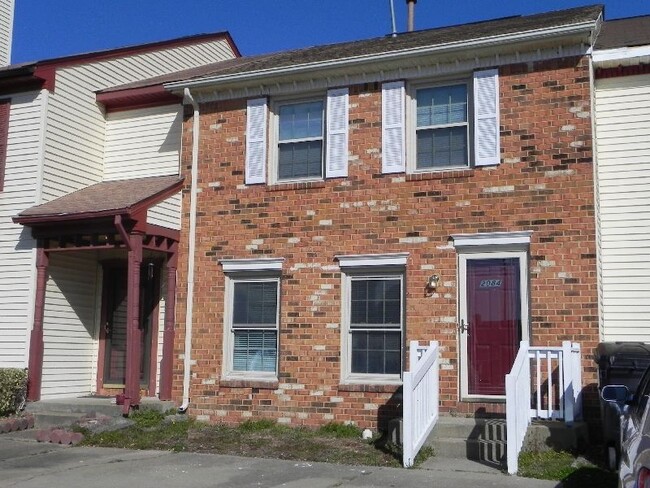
432, 282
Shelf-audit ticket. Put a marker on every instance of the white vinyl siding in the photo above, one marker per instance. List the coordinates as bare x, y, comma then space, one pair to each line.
623, 149
17, 258
142, 143
6, 30
69, 325
76, 127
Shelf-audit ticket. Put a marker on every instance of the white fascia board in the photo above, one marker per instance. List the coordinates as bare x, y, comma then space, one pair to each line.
489, 41
493, 239
620, 54
362, 260
255, 265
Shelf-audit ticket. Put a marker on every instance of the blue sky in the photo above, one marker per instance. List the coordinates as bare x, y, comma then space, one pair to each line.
51, 28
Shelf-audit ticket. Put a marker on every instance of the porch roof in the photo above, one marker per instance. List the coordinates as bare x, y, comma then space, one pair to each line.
105, 199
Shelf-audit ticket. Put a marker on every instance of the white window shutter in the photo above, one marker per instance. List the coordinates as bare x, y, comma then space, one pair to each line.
393, 147
256, 141
336, 154
487, 149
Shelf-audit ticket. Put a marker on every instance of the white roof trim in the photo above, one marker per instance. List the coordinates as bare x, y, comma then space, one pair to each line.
242, 265
359, 260
620, 54
464, 45
493, 239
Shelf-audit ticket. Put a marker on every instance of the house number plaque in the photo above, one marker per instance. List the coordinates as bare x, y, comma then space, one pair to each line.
490, 284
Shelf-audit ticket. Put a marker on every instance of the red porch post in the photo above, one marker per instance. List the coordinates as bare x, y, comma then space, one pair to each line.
36, 345
170, 320
133, 332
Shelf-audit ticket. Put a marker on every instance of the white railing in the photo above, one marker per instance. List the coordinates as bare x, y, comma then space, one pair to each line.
517, 406
421, 398
556, 377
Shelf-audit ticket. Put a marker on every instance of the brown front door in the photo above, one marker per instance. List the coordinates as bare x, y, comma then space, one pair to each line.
494, 322
114, 308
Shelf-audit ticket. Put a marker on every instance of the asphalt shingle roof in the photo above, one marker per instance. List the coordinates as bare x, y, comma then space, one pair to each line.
630, 32
382, 45
105, 198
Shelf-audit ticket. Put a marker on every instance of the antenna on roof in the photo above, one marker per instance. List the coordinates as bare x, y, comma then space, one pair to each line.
392, 18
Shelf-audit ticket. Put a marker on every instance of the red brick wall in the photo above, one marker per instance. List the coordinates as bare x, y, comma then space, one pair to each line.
544, 184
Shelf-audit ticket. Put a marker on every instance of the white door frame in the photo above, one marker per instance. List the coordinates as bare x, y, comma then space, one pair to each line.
489, 246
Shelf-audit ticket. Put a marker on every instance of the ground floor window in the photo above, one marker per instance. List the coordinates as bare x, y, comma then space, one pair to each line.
372, 318
251, 319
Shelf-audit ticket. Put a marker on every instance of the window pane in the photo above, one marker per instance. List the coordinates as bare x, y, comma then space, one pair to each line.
441, 105
255, 303
442, 147
300, 160
255, 350
376, 352
301, 120
375, 302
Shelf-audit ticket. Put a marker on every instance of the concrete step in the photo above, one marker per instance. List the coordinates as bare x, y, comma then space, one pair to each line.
470, 428
80, 406
63, 412
488, 452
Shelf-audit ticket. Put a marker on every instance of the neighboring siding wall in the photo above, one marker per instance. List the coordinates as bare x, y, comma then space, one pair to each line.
69, 327
146, 143
76, 132
17, 257
623, 145
6, 30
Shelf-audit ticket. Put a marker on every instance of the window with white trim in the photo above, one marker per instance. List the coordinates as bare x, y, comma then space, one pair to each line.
375, 322
441, 126
372, 319
251, 319
450, 124
308, 138
300, 140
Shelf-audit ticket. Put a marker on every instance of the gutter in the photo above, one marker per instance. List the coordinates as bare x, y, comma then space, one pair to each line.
187, 364
538, 34
620, 54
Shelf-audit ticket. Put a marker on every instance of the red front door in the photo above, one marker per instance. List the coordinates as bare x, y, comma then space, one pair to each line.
494, 322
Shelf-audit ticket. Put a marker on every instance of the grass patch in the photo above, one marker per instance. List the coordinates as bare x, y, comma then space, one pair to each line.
564, 466
333, 443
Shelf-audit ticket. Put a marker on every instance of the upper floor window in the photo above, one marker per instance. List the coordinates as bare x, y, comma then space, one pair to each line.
300, 140
442, 128
449, 124
308, 141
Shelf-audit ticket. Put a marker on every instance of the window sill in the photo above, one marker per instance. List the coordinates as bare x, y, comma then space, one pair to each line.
370, 387
441, 174
296, 185
262, 384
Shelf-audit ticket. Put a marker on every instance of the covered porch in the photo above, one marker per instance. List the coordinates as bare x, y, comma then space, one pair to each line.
104, 293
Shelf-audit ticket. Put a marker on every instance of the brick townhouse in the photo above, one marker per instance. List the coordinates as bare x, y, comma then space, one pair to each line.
343, 200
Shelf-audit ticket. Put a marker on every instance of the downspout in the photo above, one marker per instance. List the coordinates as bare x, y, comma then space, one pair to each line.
190, 254
594, 153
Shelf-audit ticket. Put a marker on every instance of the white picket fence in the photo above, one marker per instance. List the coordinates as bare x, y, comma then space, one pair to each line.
556, 377
421, 398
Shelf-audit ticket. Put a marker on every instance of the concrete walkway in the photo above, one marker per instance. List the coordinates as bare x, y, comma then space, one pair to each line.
24, 463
